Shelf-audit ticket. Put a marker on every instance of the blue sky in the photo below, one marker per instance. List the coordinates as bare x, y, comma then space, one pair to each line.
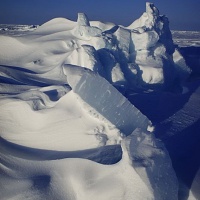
183, 15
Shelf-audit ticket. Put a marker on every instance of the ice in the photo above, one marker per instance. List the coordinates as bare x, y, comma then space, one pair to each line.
123, 37
148, 18
86, 32
85, 56
152, 75
106, 100
152, 46
117, 75
180, 66
151, 161
83, 30
83, 20
144, 40
104, 26
13, 29
68, 129
149, 69
186, 38
146, 44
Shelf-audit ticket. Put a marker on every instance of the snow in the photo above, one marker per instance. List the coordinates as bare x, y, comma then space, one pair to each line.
152, 46
144, 40
106, 100
151, 162
83, 20
180, 65
70, 124
32, 121
85, 56
71, 179
83, 30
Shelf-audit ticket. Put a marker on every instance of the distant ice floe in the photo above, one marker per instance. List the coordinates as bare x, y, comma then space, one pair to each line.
9, 29
186, 38
67, 129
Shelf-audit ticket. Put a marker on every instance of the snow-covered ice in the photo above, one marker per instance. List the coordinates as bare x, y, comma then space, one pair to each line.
69, 127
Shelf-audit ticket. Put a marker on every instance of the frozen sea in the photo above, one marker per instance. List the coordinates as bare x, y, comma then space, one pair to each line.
174, 115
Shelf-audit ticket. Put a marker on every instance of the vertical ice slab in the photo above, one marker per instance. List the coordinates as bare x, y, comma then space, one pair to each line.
105, 99
151, 161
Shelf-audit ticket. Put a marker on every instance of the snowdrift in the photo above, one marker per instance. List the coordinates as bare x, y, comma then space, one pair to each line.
67, 129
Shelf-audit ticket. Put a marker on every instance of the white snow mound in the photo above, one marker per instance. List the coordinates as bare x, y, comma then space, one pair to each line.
67, 130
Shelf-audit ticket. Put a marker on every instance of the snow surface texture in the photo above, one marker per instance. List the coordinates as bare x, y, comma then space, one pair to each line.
67, 131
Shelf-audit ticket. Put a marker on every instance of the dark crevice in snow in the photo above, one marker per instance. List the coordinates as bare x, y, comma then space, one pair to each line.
107, 155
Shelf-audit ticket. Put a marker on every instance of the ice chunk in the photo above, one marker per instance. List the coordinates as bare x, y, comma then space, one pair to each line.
159, 50
139, 23
108, 61
152, 50
117, 75
152, 21
148, 18
105, 99
112, 69
151, 9
152, 162
147, 58
153, 14
123, 38
183, 71
86, 32
83, 30
85, 56
144, 40
152, 75
104, 26
83, 20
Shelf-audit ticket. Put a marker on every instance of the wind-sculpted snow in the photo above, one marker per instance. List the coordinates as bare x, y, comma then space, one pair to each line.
67, 131
70, 179
74, 178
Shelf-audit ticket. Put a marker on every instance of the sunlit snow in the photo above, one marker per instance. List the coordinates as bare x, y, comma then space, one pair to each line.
69, 127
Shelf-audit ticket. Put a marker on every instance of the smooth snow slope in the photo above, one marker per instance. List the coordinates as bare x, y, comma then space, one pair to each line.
66, 131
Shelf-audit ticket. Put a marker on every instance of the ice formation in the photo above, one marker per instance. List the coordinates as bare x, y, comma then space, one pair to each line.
62, 103
105, 99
